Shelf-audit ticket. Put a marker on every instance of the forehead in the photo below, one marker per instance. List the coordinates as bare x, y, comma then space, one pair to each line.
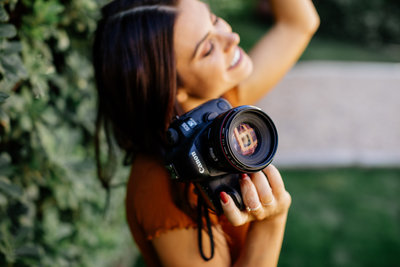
191, 25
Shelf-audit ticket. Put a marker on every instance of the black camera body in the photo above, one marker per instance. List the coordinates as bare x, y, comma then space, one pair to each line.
213, 143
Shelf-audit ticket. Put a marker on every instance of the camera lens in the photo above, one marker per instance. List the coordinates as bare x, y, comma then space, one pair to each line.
243, 139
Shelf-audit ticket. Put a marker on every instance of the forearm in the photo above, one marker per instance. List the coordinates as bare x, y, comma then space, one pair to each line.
279, 49
263, 243
297, 13
272, 58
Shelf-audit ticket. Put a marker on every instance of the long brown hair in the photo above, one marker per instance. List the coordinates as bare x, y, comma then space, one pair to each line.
136, 76
135, 73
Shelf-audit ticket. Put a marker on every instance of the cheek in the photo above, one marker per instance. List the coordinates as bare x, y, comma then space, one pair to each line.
210, 73
216, 69
208, 78
198, 84
216, 80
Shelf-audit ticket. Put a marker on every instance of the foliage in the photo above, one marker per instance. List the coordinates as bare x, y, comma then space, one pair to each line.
51, 205
225, 8
372, 22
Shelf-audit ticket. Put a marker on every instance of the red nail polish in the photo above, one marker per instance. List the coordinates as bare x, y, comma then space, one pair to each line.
224, 197
243, 175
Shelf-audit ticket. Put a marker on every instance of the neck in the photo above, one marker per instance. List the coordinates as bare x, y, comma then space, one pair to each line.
192, 103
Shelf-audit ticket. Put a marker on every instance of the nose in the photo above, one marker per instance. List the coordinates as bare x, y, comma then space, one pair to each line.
230, 40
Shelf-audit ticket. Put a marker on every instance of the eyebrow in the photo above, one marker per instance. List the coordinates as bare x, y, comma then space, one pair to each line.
202, 39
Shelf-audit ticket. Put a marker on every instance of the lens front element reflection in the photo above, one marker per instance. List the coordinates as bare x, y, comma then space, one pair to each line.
245, 139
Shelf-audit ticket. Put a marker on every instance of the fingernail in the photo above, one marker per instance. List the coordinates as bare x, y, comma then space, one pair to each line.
224, 197
243, 176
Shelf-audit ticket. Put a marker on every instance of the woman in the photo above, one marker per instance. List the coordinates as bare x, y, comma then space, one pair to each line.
155, 59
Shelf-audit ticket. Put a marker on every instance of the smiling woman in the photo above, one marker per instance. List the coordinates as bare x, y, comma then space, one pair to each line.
209, 60
155, 59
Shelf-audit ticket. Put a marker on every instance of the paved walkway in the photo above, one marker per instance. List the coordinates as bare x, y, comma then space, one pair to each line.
337, 114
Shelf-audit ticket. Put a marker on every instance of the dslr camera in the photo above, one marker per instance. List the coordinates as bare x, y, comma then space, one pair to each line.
214, 143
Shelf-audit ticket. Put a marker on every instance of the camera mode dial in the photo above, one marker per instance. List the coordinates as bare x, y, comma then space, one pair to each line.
209, 116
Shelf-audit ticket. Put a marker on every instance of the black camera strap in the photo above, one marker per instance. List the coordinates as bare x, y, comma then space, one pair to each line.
202, 208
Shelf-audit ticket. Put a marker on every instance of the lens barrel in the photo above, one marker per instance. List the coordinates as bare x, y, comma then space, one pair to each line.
243, 139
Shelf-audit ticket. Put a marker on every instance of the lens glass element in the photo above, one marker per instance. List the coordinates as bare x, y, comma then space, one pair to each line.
244, 139
251, 142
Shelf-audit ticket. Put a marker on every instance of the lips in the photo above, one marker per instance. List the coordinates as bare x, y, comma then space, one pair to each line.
237, 56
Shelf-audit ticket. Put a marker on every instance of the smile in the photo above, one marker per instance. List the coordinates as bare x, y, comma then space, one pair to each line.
236, 58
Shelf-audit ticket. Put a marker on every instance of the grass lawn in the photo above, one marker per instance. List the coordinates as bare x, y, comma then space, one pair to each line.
342, 217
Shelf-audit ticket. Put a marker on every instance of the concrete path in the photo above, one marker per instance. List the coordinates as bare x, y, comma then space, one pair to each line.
337, 114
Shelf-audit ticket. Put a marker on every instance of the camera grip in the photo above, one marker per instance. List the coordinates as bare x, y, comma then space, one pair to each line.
211, 190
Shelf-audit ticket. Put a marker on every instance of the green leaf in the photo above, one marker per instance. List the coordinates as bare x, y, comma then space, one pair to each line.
13, 67
10, 189
28, 251
6, 244
10, 47
3, 14
3, 201
7, 31
3, 97
5, 161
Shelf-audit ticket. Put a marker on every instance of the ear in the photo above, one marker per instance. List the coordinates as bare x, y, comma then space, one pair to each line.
182, 95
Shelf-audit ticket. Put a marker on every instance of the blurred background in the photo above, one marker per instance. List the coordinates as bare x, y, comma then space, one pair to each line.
337, 113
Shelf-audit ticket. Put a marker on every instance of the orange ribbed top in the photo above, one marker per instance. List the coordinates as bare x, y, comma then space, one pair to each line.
151, 211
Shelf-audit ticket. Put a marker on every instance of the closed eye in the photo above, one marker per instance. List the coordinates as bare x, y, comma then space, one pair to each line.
214, 20
209, 50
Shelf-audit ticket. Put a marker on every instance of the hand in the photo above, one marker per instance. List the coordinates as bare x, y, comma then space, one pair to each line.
264, 195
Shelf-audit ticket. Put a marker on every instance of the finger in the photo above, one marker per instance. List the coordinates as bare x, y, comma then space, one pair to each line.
250, 196
274, 179
263, 188
232, 213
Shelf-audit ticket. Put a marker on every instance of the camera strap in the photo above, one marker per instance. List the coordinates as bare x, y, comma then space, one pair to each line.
203, 209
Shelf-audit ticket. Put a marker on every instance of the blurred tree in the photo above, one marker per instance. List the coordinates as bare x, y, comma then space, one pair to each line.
373, 22
51, 205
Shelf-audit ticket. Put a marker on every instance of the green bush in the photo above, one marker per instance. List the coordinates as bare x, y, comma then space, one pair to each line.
51, 205
371, 22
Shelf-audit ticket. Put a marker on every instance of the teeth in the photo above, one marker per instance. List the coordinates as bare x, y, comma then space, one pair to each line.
236, 57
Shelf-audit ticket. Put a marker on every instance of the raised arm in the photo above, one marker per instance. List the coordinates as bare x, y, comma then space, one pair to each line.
295, 23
